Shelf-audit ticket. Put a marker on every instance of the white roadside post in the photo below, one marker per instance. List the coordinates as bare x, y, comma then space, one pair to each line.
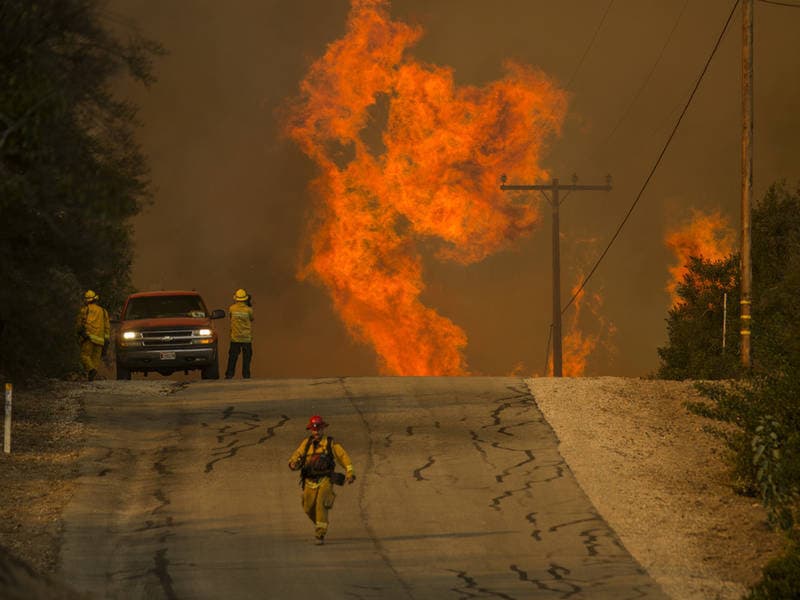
7, 436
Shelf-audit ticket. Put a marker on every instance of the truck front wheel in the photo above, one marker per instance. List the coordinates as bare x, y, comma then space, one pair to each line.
123, 373
211, 371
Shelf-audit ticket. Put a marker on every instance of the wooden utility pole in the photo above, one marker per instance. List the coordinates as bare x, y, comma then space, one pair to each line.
747, 176
555, 187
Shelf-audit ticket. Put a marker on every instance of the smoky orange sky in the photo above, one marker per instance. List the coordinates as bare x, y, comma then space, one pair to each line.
232, 199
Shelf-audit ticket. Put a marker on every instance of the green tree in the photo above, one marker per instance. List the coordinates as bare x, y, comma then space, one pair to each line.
696, 323
776, 280
71, 173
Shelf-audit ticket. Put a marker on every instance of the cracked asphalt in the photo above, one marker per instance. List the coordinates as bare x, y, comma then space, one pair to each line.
460, 493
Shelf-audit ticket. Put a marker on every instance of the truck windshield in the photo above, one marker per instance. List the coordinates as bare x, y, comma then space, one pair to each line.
156, 307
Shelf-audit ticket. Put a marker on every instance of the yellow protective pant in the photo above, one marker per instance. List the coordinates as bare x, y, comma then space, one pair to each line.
90, 355
317, 501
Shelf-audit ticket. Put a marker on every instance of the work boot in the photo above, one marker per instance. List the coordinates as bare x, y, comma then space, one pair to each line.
319, 535
92, 373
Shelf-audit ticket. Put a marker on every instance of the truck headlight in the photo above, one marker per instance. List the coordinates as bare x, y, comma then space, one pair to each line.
202, 336
131, 338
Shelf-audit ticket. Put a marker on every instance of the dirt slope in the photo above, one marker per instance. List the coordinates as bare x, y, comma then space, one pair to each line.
660, 481
644, 461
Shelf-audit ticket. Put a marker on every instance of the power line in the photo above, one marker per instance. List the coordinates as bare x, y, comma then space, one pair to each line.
776, 3
591, 43
646, 80
658, 160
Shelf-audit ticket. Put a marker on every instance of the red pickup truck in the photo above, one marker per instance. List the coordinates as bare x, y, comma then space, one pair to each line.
165, 332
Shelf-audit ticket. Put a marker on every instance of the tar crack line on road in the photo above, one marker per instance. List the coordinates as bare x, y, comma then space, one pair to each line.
418, 472
558, 572
472, 584
234, 446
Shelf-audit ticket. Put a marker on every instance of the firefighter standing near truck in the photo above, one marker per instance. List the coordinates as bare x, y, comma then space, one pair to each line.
316, 458
241, 313
94, 332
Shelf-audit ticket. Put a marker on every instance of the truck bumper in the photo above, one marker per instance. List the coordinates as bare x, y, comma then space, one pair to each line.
177, 359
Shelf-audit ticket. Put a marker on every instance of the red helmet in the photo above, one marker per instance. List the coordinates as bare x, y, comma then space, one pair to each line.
316, 422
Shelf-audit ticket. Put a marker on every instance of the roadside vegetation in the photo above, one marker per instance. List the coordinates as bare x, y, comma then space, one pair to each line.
71, 174
763, 404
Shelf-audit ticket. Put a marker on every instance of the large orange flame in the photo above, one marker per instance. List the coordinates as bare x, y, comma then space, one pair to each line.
703, 235
435, 179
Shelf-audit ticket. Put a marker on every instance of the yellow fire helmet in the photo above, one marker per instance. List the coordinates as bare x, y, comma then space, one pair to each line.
241, 295
91, 296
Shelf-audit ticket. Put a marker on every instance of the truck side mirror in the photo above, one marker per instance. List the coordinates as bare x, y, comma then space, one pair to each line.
218, 314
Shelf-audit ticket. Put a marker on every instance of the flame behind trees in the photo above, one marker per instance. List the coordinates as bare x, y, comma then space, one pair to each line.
435, 178
700, 346
706, 236
694, 349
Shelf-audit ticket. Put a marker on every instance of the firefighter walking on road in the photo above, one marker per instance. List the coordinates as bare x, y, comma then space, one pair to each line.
94, 333
241, 313
316, 458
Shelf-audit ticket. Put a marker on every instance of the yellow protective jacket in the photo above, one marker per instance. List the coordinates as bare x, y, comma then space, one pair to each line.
241, 318
94, 323
338, 451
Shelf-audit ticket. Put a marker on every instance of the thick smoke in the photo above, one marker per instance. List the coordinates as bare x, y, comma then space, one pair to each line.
232, 204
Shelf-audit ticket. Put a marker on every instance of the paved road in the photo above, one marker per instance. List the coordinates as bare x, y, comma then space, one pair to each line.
461, 493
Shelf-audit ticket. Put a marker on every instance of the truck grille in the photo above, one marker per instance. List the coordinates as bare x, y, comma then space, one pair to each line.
170, 337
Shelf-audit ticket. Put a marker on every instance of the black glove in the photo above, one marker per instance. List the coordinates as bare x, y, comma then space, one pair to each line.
104, 351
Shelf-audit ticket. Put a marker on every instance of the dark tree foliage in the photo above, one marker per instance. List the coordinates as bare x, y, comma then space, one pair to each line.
696, 324
776, 280
71, 174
